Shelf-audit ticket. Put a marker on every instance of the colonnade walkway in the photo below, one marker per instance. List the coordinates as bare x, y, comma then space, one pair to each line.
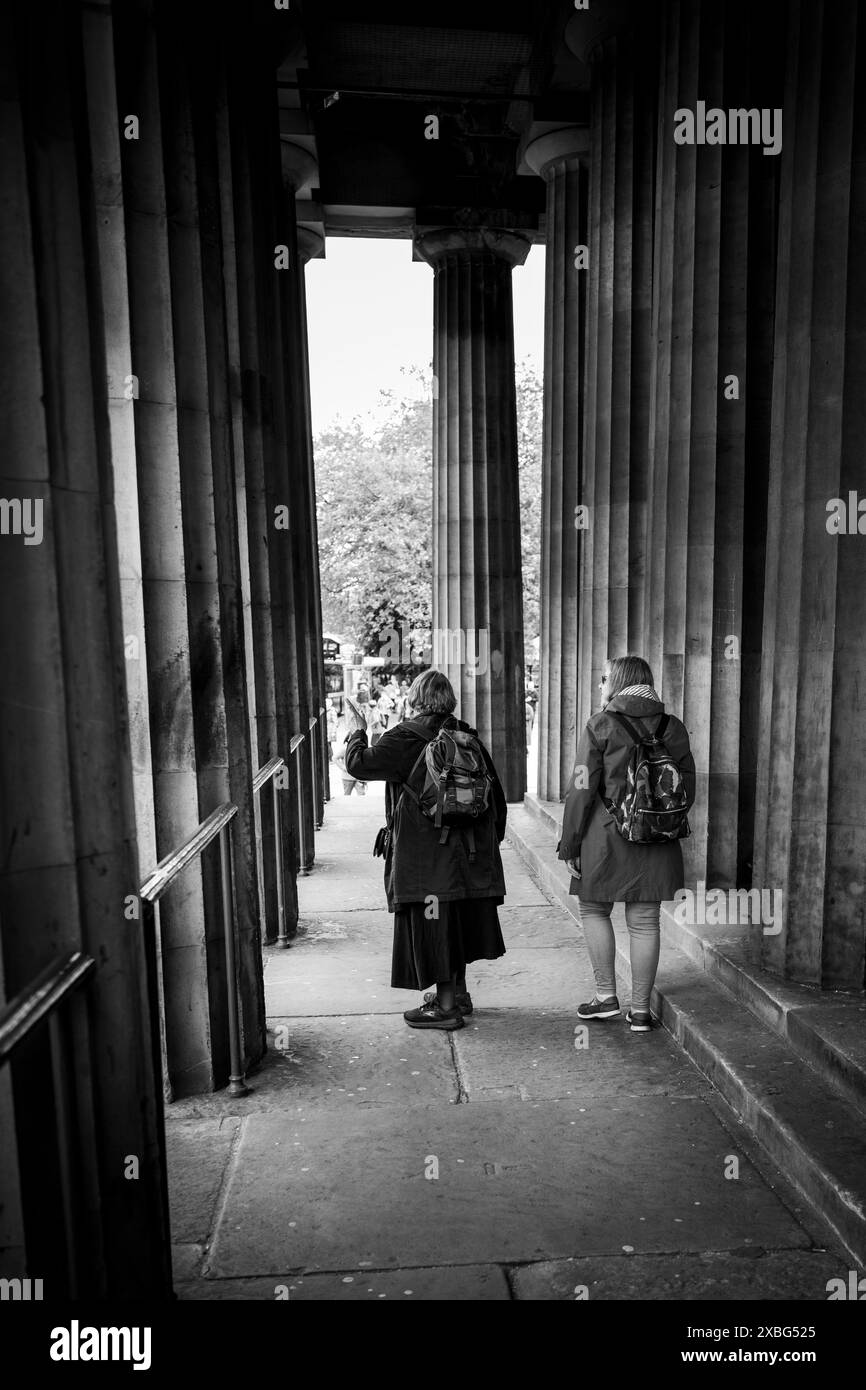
373, 1161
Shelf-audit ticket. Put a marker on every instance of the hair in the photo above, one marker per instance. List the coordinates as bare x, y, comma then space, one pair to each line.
432, 693
623, 671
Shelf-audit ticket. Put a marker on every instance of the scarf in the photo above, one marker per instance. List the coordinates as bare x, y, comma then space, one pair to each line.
647, 692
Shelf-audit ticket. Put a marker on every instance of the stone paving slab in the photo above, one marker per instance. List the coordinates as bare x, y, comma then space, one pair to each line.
472, 1283
367, 926
537, 926
332, 888
197, 1154
353, 980
549, 977
324, 1191
752, 1275
533, 1050
350, 1061
186, 1262
346, 978
359, 1061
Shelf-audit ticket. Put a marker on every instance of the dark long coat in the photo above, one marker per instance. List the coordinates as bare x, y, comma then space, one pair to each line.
418, 865
614, 869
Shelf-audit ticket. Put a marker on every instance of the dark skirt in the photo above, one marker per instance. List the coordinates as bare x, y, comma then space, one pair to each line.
429, 951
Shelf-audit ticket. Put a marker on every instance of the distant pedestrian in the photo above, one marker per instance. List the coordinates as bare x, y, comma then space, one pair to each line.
443, 883
352, 718
606, 866
332, 719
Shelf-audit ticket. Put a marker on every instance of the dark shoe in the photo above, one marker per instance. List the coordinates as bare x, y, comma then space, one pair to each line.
462, 1001
434, 1016
600, 1008
640, 1022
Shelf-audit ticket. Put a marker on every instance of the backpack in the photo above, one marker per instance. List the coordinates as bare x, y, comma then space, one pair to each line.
457, 781
654, 804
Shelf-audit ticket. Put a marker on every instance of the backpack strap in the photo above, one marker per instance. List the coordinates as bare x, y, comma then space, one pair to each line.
640, 735
658, 731
422, 732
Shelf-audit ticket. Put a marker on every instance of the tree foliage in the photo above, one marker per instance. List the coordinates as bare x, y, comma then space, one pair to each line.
374, 507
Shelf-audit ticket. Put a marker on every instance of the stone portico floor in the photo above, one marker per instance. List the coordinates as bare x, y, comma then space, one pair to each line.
372, 1161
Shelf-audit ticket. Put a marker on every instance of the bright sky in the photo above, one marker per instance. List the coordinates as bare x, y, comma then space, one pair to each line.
370, 312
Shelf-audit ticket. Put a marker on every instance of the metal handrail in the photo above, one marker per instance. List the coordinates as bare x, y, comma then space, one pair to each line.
41, 1002
265, 774
218, 823
37, 1002
168, 868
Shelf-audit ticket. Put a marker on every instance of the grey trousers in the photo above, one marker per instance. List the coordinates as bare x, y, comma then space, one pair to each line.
642, 920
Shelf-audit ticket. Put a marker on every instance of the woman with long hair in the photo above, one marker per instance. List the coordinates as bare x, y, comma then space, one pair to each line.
607, 868
443, 888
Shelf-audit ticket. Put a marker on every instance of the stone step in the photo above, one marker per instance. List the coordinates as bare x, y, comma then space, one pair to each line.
827, 1029
806, 1125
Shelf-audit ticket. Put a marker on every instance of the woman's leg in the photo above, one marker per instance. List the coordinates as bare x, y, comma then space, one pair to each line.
601, 944
445, 991
644, 946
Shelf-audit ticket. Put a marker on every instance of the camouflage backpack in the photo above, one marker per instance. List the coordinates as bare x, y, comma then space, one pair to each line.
654, 805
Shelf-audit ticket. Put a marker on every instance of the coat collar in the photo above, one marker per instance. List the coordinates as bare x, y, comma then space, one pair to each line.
639, 705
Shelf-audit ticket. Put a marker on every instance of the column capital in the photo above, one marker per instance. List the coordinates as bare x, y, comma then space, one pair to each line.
300, 166
557, 148
587, 30
442, 241
311, 244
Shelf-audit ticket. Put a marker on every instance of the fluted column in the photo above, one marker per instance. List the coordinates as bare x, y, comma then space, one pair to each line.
210, 514
69, 873
250, 300
560, 157
710, 367
310, 244
616, 460
810, 839
477, 585
182, 918
299, 169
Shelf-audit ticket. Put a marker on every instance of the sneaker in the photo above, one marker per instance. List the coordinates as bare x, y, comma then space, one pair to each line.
639, 1022
600, 1008
432, 1015
462, 1001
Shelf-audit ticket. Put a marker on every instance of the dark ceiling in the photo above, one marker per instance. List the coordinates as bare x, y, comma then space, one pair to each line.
358, 84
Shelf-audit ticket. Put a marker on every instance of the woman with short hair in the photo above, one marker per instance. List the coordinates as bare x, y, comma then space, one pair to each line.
607, 868
443, 890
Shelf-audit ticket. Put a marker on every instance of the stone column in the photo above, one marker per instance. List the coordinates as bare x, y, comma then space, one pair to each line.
310, 244
810, 835
477, 586
248, 271
620, 48
560, 158
70, 873
256, 124
176, 794
712, 230
210, 516
299, 170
